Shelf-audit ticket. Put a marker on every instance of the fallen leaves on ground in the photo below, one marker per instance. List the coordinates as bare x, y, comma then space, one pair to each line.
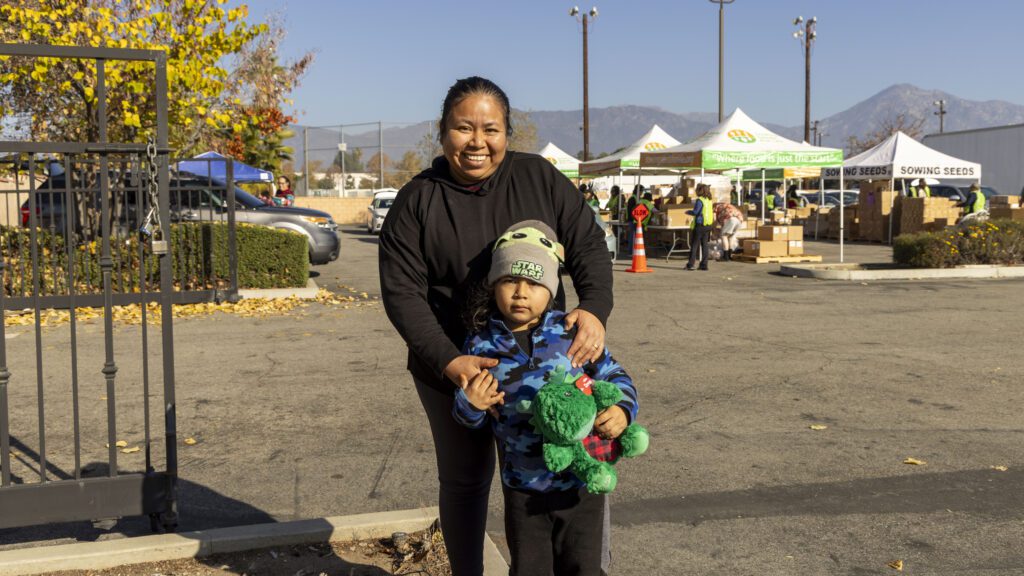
999, 468
133, 314
131, 450
896, 565
818, 427
190, 441
914, 462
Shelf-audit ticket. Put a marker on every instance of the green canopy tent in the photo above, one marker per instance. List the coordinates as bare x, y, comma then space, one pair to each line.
740, 142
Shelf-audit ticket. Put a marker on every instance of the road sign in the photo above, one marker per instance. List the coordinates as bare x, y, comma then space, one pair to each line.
640, 212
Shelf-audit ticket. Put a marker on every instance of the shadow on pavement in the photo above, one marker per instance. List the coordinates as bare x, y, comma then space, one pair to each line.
199, 509
983, 492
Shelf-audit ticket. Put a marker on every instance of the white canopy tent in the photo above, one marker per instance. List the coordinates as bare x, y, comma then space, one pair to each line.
627, 160
740, 142
900, 156
565, 163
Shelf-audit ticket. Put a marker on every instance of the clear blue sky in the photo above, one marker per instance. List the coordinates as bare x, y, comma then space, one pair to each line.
394, 59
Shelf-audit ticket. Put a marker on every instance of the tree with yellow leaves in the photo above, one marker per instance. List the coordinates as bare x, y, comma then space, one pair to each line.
51, 99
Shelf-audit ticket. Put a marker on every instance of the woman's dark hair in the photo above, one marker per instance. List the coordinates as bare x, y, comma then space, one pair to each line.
480, 306
466, 87
616, 190
286, 179
638, 189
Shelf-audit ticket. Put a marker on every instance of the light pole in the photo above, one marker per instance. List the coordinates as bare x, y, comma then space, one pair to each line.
942, 112
814, 128
575, 12
721, 34
806, 38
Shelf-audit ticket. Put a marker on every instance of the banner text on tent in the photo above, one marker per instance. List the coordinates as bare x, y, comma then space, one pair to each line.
878, 172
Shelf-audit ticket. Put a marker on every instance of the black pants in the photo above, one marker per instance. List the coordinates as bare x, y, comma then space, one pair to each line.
465, 466
557, 533
699, 236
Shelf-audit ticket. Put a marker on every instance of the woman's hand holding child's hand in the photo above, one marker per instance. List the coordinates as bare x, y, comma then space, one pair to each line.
611, 422
482, 391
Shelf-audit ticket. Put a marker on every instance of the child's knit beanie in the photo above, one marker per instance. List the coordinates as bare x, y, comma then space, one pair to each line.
530, 250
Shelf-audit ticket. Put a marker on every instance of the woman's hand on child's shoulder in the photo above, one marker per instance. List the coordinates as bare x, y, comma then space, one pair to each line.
482, 391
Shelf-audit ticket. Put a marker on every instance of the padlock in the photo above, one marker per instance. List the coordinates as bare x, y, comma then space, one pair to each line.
145, 231
159, 246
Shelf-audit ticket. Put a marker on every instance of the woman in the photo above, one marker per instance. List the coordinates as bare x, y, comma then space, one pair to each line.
435, 245
700, 227
284, 195
730, 218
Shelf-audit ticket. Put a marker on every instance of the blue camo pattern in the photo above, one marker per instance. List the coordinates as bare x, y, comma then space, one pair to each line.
520, 377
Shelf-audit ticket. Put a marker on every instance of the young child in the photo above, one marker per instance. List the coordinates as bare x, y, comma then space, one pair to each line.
552, 523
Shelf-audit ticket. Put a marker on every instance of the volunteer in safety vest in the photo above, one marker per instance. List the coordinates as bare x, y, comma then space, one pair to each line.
920, 190
700, 227
975, 201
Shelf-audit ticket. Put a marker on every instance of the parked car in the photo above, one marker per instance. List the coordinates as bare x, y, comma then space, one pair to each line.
379, 209
832, 197
193, 199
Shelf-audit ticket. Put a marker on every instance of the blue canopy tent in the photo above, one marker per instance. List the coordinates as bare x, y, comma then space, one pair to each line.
209, 164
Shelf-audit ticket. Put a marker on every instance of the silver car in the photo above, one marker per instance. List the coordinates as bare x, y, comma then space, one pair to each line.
382, 201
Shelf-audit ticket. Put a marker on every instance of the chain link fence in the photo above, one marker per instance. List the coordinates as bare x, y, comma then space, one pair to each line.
356, 160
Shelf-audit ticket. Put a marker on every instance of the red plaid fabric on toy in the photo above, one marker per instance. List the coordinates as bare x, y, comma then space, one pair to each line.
601, 449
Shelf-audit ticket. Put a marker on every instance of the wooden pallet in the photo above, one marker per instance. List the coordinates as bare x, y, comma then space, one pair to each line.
778, 259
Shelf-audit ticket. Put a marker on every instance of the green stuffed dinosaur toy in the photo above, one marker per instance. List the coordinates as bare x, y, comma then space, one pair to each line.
563, 414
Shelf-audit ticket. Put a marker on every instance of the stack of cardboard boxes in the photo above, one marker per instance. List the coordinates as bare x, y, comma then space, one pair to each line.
875, 211
775, 241
1006, 208
851, 223
926, 214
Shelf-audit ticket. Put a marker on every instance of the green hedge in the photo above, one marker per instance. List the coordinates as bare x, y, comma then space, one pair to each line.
267, 258
992, 242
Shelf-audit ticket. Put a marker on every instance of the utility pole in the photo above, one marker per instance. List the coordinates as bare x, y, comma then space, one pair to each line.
305, 159
806, 38
721, 65
575, 11
814, 129
380, 155
942, 112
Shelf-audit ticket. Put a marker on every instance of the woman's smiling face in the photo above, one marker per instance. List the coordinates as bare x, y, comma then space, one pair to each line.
475, 138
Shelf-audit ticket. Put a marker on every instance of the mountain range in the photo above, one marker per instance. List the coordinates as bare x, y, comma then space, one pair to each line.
617, 126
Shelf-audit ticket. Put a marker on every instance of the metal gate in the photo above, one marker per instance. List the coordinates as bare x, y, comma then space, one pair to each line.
98, 237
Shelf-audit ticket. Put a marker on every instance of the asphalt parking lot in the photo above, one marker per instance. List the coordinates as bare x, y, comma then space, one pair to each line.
312, 414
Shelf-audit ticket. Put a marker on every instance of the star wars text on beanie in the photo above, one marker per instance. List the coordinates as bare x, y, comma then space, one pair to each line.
530, 252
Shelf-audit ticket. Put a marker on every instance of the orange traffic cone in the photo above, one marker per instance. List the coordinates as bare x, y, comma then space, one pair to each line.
639, 255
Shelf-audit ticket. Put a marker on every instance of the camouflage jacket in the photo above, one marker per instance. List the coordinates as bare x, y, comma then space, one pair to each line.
520, 376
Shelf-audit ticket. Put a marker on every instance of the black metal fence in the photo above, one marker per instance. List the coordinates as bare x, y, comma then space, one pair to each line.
94, 228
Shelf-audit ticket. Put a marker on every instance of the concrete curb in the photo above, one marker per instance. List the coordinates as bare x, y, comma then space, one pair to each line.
856, 272
307, 293
125, 551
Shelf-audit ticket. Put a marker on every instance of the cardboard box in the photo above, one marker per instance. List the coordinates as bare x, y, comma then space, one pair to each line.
765, 248
1006, 213
674, 215
1005, 201
773, 233
796, 247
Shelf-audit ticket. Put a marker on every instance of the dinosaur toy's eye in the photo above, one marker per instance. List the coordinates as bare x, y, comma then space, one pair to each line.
519, 235
568, 394
546, 242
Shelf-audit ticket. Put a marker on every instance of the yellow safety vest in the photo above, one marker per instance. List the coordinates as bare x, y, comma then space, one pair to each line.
979, 203
707, 213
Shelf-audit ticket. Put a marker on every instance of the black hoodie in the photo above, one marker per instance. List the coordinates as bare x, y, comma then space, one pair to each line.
436, 242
